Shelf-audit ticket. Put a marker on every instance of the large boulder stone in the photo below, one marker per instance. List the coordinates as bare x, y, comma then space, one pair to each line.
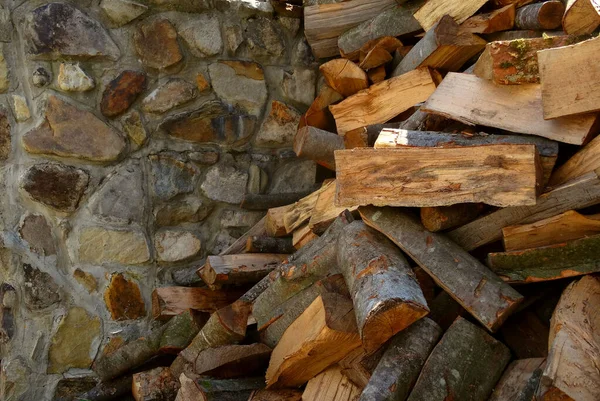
173, 93
39, 289
121, 92
57, 30
264, 38
36, 231
55, 185
279, 127
156, 44
122, 12
171, 175
225, 183
72, 132
99, 246
240, 83
124, 299
203, 35
176, 245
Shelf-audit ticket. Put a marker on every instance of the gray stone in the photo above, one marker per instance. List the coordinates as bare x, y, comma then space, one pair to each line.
279, 127
294, 176
242, 219
170, 175
121, 199
225, 183
133, 125
221, 241
247, 8
99, 246
240, 83
122, 12
264, 38
299, 86
6, 26
234, 36
173, 93
189, 209
57, 30
4, 74
291, 25
258, 180
176, 245
206, 157
38, 234
71, 78
203, 35
301, 53
39, 289
40, 77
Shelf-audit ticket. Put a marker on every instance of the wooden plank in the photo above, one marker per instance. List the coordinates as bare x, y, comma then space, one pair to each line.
568, 259
344, 77
499, 175
502, 19
331, 385
520, 380
551, 231
385, 100
516, 108
238, 269
569, 78
469, 282
434, 10
171, 301
583, 162
580, 17
576, 194
540, 16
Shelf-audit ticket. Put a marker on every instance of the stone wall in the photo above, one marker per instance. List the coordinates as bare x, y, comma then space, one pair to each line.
129, 133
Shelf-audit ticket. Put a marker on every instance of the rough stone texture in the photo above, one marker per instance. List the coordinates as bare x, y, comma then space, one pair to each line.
242, 219
71, 78
75, 343
279, 128
222, 241
173, 93
57, 30
122, 12
20, 108
258, 180
264, 37
170, 176
39, 289
38, 234
4, 81
40, 77
99, 246
6, 26
5, 136
293, 177
156, 44
86, 279
203, 35
123, 299
248, 8
202, 83
189, 209
234, 36
72, 132
299, 86
55, 185
176, 246
225, 183
240, 83
133, 125
121, 92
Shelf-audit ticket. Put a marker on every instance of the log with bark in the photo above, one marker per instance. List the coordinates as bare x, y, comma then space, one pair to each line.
318, 145
344, 76
265, 244
434, 10
358, 366
155, 384
502, 19
580, 18
520, 380
172, 301
331, 385
470, 283
443, 218
238, 270
109, 390
231, 361
540, 16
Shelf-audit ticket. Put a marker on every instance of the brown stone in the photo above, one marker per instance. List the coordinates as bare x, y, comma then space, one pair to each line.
39, 288
121, 92
5, 140
202, 83
123, 299
156, 44
248, 69
38, 234
71, 132
55, 185
279, 128
86, 280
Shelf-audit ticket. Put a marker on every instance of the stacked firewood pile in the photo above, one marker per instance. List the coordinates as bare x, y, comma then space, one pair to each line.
447, 257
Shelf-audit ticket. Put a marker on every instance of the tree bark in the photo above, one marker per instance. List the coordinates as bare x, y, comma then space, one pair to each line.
264, 244
520, 380
239, 269
109, 390
318, 145
540, 16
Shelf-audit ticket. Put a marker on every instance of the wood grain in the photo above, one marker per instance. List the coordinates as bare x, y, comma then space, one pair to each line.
583, 162
434, 10
171, 301
502, 19
580, 17
344, 77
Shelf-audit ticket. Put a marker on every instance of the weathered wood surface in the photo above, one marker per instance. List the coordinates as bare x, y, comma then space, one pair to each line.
501, 19
109, 390
470, 283
331, 385
385, 100
520, 380
264, 244
365, 137
386, 295
499, 175
445, 47
300, 212
512, 35
325, 211
240, 243
540, 16
318, 145
171, 301
569, 78
443, 218
276, 395
155, 384
577, 194
303, 236
434, 10
344, 76
323, 334
358, 366
574, 357
268, 201
232, 361
464, 365
238, 269
580, 17
551, 231
568, 259
586, 160
196, 388
402, 362
516, 108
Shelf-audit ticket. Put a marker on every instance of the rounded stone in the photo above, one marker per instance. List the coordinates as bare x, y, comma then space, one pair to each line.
175, 246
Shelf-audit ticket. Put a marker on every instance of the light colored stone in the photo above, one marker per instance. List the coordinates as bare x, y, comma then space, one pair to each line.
175, 246
225, 183
243, 219
40, 77
20, 108
4, 82
71, 78
279, 128
100, 245
301, 53
171, 175
294, 176
86, 279
75, 343
6, 26
189, 209
122, 12
173, 93
234, 36
203, 35
133, 125
299, 86
239, 83
264, 38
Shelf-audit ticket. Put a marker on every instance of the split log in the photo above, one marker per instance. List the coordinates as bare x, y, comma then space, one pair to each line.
501, 19
325, 211
318, 145
318, 114
358, 366
268, 201
299, 213
324, 23
376, 57
445, 47
172, 301
512, 62
377, 75
319, 338
109, 390
155, 384
434, 10
520, 380
231, 361
568, 259
365, 137
470, 283
196, 388
516, 108
466, 349
274, 225
238, 269
572, 366
386, 295
526, 335
344, 77
583, 162
303, 236
442, 218
387, 43
239, 245
331, 385
576, 194
580, 17
551, 231
540, 16
571, 73
264, 244
276, 395
402, 361
499, 175
385, 100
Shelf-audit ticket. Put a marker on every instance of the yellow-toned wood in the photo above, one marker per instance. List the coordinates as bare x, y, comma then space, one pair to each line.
300, 212
331, 385
580, 17
434, 10
502, 19
344, 76
325, 211
274, 224
302, 236
583, 162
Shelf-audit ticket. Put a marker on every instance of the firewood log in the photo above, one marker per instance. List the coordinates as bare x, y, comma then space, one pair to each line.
377, 75
264, 244
402, 361
358, 366
276, 395
540, 16
386, 295
520, 380
442, 218
232, 361
318, 145
239, 245
344, 76
580, 17
526, 335
299, 213
268, 201
238, 269
330, 385
470, 283
325, 211
365, 137
172, 301
502, 19
274, 225
155, 384
109, 390
434, 10
464, 365
318, 114
197, 388
517, 3
583, 162
303, 236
